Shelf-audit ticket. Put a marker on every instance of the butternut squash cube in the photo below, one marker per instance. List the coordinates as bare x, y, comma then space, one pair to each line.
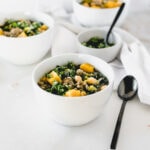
53, 77
87, 67
73, 93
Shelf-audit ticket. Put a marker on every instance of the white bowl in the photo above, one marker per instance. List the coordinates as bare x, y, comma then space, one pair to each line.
73, 111
28, 50
92, 17
108, 53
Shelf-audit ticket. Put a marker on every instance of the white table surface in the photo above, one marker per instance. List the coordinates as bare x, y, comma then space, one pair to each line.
24, 126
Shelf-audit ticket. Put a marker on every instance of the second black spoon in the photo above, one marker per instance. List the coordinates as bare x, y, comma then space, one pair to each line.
114, 22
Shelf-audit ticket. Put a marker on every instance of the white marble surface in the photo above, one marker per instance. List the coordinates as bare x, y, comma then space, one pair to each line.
24, 126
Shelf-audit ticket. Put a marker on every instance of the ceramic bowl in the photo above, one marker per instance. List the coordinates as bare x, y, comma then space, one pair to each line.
73, 111
26, 50
93, 17
108, 53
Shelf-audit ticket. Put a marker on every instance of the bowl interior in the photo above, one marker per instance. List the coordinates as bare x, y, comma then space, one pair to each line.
52, 62
38, 16
86, 35
77, 2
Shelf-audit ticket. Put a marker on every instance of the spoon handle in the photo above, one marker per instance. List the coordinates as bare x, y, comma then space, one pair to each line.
115, 20
118, 125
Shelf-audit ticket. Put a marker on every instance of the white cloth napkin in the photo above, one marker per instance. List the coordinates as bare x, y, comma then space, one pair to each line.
136, 61
134, 57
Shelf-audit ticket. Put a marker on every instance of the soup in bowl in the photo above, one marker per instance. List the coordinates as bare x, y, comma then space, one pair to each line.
25, 37
77, 96
95, 13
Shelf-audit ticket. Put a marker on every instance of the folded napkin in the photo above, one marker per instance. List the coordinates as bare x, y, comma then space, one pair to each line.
133, 59
136, 61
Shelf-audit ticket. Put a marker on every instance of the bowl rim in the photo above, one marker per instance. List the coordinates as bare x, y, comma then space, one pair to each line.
32, 14
77, 3
41, 64
115, 35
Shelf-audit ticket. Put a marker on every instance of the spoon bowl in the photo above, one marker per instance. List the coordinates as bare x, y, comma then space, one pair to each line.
127, 90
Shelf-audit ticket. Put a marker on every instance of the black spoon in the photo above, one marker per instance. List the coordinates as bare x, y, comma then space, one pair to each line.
127, 89
114, 22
